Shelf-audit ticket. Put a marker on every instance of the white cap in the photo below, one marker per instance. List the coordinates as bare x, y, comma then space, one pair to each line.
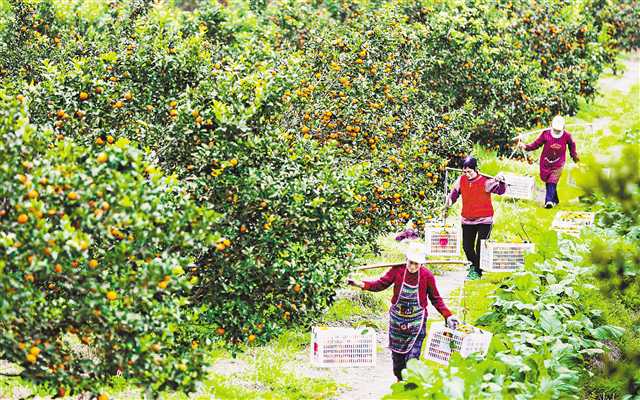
417, 253
558, 123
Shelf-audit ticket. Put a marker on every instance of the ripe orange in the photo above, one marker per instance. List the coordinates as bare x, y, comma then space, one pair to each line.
173, 113
99, 141
233, 162
31, 358
34, 350
58, 268
163, 284
110, 139
252, 338
83, 96
118, 104
102, 158
103, 397
22, 219
220, 331
128, 96
73, 196
98, 90
93, 263
20, 98
111, 295
297, 288
32, 194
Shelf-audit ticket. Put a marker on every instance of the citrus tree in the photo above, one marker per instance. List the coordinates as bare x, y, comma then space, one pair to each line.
94, 245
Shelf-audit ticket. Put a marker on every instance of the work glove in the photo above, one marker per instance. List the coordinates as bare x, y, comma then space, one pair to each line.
452, 322
500, 177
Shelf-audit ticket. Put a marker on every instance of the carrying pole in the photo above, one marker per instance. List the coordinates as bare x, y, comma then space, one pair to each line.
429, 262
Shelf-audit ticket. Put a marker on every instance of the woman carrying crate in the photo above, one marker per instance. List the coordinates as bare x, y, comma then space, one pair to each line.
553, 157
477, 209
413, 284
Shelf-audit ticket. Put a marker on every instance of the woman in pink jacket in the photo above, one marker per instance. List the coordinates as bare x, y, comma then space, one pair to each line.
412, 284
553, 157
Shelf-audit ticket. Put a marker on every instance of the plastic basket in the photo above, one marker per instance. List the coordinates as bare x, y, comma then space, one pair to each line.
503, 257
443, 342
572, 222
443, 240
343, 347
519, 187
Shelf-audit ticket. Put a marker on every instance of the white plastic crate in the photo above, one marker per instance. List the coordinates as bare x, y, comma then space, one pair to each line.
503, 257
519, 187
443, 342
443, 240
343, 347
572, 222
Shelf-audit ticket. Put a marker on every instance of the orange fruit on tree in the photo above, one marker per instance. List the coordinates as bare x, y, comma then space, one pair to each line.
22, 219
31, 358
252, 338
93, 263
220, 331
128, 96
297, 288
111, 295
83, 96
73, 196
102, 158
58, 268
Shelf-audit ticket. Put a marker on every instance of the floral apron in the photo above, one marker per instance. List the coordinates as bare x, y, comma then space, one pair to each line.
406, 318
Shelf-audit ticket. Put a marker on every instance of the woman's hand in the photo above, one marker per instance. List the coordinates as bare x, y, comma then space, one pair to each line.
500, 177
352, 282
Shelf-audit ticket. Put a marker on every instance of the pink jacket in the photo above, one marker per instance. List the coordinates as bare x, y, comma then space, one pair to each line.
426, 287
554, 154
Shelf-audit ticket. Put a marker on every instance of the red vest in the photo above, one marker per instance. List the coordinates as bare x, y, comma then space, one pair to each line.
476, 202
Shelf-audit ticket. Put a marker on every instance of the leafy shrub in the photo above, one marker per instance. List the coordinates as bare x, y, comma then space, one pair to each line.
94, 246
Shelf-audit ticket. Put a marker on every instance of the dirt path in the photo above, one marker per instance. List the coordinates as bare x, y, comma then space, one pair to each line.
630, 76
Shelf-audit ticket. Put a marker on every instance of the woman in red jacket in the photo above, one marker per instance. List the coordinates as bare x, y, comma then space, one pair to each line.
477, 209
412, 285
553, 157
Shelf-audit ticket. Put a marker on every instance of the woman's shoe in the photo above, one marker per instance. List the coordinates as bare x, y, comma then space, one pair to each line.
473, 275
548, 204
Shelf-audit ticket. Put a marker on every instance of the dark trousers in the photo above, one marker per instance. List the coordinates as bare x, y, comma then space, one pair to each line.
552, 193
471, 237
400, 360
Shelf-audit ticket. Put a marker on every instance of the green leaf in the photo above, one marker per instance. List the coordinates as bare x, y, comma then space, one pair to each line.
549, 322
607, 332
